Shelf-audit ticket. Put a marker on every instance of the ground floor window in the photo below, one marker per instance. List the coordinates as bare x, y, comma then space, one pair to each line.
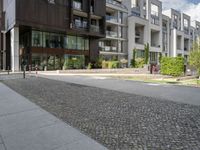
74, 61
61, 41
140, 53
57, 62
153, 57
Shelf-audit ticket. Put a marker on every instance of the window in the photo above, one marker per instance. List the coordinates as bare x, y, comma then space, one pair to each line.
86, 44
46, 40
92, 6
186, 24
154, 10
71, 42
140, 53
80, 43
51, 1
36, 39
134, 3
153, 56
77, 4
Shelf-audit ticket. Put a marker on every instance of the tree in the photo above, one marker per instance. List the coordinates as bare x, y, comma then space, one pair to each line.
194, 58
146, 51
133, 59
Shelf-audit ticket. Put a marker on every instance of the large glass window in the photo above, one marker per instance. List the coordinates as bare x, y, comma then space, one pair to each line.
86, 44
74, 61
65, 42
36, 39
53, 40
71, 42
46, 40
80, 43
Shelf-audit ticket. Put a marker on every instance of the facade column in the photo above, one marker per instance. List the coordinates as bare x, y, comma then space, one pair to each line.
14, 35
174, 43
4, 51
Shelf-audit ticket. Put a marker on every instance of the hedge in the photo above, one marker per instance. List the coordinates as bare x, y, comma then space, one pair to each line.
139, 62
173, 66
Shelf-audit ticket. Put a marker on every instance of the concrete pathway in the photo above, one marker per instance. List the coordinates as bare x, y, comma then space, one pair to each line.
25, 126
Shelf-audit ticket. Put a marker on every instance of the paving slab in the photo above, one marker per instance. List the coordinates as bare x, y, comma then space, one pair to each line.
26, 126
2, 147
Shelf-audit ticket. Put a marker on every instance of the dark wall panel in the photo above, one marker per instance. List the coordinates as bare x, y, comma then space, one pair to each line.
40, 13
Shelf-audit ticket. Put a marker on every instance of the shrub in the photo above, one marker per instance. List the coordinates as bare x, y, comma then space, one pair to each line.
194, 58
104, 64
110, 64
139, 62
133, 59
89, 66
173, 66
113, 64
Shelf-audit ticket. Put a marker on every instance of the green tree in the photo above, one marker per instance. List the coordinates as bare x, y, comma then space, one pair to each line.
160, 57
133, 59
194, 58
146, 51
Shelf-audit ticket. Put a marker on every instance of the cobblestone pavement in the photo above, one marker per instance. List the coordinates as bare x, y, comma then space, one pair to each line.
120, 121
5, 76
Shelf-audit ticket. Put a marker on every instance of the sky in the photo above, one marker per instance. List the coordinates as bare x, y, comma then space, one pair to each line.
189, 7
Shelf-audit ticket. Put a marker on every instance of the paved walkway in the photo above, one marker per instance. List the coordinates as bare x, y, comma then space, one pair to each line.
25, 126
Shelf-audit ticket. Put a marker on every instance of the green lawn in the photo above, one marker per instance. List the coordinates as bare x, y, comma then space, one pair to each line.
149, 79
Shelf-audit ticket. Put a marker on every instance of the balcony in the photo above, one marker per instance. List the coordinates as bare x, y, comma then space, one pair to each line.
186, 30
80, 24
94, 28
77, 5
164, 28
115, 3
111, 19
111, 34
108, 49
155, 18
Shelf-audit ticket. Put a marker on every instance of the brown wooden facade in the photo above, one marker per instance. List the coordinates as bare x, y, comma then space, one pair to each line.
56, 17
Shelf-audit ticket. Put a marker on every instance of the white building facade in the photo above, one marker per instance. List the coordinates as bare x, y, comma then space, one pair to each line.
168, 33
114, 45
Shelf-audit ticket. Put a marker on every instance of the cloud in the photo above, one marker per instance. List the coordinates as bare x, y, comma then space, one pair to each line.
184, 6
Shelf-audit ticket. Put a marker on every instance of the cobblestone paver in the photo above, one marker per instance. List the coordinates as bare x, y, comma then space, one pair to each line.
4, 76
120, 121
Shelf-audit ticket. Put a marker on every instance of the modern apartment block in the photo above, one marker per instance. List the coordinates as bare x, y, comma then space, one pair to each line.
114, 45
50, 33
168, 33
144, 27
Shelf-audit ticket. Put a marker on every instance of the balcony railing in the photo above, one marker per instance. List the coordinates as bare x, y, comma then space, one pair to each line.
108, 49
77, 5
164, 28
186, 30
111, 34
94, 28
111, 19
80, 24
115, 3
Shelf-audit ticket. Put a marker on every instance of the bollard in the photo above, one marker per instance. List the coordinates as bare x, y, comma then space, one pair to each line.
24, 72
36, 69
8, 69
29, 68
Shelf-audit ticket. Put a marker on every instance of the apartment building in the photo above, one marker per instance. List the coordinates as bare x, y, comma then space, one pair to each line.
196, 26
50, 33
169, 33
114, 45
145, 27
